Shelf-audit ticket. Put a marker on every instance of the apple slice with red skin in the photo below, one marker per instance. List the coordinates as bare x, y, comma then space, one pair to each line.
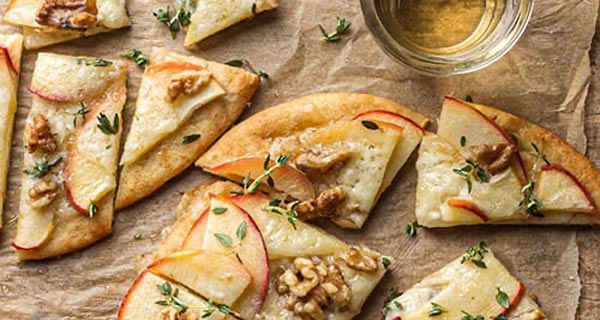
139, 301
46, 95
470, 207
459, 119
391, 118
9, 60
35, 230
287, 178
90, 167
515, 300
209, 274
557, 184
226, 218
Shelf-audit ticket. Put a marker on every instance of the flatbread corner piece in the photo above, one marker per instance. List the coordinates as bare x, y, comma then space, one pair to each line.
342, 150
175, 122
71, 143
475, 285
489, 166
212, 16
47, 22
207, 213
11, 47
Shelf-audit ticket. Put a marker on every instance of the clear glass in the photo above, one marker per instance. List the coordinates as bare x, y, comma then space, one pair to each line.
447, 37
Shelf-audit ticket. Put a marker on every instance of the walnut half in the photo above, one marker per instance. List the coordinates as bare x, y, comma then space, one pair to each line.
42, 193
362, 259
187, 84
325, 205
496, 157
40, 136
68, 14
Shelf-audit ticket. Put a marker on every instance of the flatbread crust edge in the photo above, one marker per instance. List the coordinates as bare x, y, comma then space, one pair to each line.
170, 157
554, 147
316, 110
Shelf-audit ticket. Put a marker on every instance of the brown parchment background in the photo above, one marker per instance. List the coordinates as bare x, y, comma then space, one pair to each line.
550, 77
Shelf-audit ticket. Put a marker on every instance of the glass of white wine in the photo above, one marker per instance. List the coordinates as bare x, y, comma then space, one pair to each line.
446, 37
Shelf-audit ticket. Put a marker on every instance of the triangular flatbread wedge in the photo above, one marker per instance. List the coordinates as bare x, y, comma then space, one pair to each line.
488, 166
336, 152
47, 22
174, 124
70, 163
348, 274
11, 47
211, 16
474, 286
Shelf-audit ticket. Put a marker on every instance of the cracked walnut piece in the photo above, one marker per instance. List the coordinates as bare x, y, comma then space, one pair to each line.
187, 84
68, 14
313, 286
325, 205
362, 259
42, 193
322, 161
496, 158
40, 136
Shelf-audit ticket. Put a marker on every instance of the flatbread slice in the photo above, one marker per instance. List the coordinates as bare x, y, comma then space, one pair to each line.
72, 144
488, 166
475, 285
354, 271
11, 47
211, 16
341, 151
167, 135
47, 22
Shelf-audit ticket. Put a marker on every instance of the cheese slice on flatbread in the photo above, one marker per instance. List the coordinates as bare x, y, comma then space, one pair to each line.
109, 15
212, 16
11, 47
464, 287
488, 166
70, 159
344, 149
157, 140
284, 243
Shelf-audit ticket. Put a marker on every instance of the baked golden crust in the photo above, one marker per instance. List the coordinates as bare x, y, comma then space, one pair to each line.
255, 134
170, 157
556, 149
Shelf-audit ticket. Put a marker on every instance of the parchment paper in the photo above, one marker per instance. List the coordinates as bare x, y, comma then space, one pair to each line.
545, 79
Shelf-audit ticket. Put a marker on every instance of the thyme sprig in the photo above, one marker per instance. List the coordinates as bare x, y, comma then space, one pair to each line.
470, 170
291, 213
468, 316
223, 308
530, 201
138, 57
227, 241
243, 63
181, 18
476, 254
252, 187
82, 112
95, 62
105, 126
40, 169
341, 27
171, 298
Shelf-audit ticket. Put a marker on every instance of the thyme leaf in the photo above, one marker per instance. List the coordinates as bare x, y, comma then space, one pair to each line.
411, 228
138, 57
224, 239
290, 212
105, 126
190, 138
502, 299
436, 310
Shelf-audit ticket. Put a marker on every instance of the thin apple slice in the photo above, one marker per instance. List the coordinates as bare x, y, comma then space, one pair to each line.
35, 229
466, 206
195, 238
243, 240
90, 169
459, 119
156, 115
560, 191
392, 118
286, 179
211, 275
281, 238
140, 300
460, 286
81, 77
